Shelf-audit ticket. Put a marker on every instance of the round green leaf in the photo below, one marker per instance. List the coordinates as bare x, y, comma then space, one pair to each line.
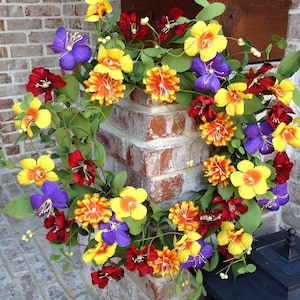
19, 207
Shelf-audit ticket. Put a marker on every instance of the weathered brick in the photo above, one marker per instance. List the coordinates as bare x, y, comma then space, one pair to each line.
12, 150
10, 38
6, 103
12, 89
26, 51
24, 24
42, 11
3, 52
5, 78
75, 9
53, 23
13, 64
6, 115
10, 11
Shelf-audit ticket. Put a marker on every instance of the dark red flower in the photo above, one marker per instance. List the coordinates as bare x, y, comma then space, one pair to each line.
258, 82
83, 169
60, 227
230, 207
283, 167
137, 259
279, 113
209, 219
42, 81
169, 24
201, 109
131, 26
102, 277
224, 252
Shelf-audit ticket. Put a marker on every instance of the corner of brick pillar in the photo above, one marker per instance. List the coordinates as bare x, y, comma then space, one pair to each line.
153, 142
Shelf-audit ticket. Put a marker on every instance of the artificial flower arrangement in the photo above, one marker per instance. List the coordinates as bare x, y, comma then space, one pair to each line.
243, 112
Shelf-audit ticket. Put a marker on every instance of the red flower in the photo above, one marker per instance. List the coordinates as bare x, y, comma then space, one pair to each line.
202, 109
257, 82
279, 113
169, 24
83, 169
42, 81
131, 26
209, 219
224, 252
137, 259
230, 207
283, 167
102, 277
60, 227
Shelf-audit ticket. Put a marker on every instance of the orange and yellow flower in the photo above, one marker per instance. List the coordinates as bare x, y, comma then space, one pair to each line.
37, 171
161, 84
104, 88
188, 246
219, 131
283, 90
97, 9
167, 263
183, 216
238, 241
112, 62
251, 180
218, 170
129, 204
232, 98
206, 40
286, 134
92, 210
101, 252
41, 117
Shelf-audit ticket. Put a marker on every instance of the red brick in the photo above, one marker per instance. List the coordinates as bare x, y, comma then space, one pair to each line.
12, 150
53, 23
24, 24
6, 115
6, 103
10, 11
42, 10
41, 37
9, 38
3, 52
13, 64
5, 78
26, 51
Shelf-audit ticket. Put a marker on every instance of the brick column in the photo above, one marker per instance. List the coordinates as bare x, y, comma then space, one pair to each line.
154, 142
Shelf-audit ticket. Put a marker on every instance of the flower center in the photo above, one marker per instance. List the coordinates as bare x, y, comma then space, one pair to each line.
43, 83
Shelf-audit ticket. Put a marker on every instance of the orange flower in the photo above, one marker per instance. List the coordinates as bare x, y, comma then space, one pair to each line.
161, 84
219, 131
92, 210
104, 88
182, 216
218, 170
167, 263
97, 9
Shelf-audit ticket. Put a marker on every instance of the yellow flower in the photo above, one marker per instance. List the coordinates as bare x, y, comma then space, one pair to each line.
250, 179
113, 62
42, 118
36, 171
286, 134
218, 170
129, 204
219, 131
182, 215
188, 246
233, 98
101, 252
97, 9
161, 84
104, 88
205, 40
167, 263
237, 240
92, 210
283, 91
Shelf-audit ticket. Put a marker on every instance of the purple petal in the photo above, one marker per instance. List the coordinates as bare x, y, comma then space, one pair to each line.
253, 145
82, 53
103, 225
36, 201
59, 43
252, 131
207, 82
266, 146
123, 239
198, 66
49, 188
67, 61
266, 128
109, 237
60, 199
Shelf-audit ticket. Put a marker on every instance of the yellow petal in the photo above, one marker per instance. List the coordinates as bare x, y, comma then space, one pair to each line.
139, 213
46, 163
237, 178
190, 46
44, 118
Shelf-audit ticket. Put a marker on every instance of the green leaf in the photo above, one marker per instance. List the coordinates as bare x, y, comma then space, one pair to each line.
234, 64
226, 192
251, 268
296, 97
147, 61
55, 257
178, 60
251, 220
119, 181
211, 11
66, 266
153, 52
19, 207
135, 226
71, 89
203, 3
184, 98
290, 64
99, 154
253, 105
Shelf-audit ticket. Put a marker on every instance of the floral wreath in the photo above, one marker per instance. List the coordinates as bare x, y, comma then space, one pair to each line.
243, 112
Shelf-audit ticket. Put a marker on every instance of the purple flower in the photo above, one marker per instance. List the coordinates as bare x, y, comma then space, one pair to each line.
259, 138
210, 71
206, 251
115, 231
71, 47
281, 197
52, 197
